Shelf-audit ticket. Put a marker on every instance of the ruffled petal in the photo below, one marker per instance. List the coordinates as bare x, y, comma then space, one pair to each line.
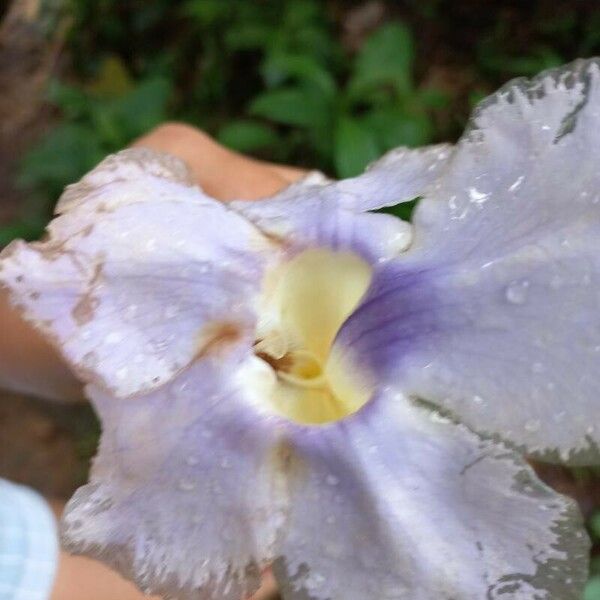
398, 503
185, 496
493, 313
401, 175
140, 275
315, 216
318, 212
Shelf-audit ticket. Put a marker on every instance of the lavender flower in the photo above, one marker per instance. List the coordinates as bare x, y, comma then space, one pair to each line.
304, 383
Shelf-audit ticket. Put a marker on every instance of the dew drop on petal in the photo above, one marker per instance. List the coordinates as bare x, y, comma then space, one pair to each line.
516, 292
538, 367
516, 184
533, 425
171, 311
186, 486
122, 373
476, 196
113, 338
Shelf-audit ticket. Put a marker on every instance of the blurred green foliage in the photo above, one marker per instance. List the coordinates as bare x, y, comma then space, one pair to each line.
280, 79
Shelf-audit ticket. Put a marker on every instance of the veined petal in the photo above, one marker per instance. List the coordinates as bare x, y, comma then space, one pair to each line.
401, 175
397, 503
316, 216
319, 212
494, 312
184, 497
139, 279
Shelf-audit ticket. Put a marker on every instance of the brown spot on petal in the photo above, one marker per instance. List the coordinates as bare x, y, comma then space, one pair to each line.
287, 461
215, 338
83, 311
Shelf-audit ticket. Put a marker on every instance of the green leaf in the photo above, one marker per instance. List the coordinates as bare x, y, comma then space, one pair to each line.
355, 146
247, 136
20, 230
61, 157
292, 106
143, 108
395, 127
592, 589
594, 525
279, 67
386, 58
403, 210
112, 79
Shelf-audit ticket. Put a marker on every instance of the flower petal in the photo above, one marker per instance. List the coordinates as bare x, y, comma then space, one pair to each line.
143, 261
396, 503
315, 216
184, 496
398, 176
494, 313
318, 212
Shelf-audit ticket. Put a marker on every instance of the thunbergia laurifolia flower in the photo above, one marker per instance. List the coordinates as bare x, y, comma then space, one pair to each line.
304, 383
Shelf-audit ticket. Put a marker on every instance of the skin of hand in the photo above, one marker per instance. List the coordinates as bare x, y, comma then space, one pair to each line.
30, 365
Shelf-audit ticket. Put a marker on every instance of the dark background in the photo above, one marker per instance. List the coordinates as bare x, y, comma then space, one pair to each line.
321, 84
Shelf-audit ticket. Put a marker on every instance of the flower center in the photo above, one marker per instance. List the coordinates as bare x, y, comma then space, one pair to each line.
305, 302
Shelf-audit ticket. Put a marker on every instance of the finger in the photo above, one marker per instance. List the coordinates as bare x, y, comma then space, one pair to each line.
28, 363
222, 173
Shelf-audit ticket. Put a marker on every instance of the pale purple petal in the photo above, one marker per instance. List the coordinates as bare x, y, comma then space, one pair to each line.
401, 175
316, 216
333, 214
140, 277
397, 503
185, 495
494, 312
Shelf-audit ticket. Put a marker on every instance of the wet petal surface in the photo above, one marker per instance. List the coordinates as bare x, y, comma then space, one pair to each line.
494, 311
140, 278
185, 495
397, 503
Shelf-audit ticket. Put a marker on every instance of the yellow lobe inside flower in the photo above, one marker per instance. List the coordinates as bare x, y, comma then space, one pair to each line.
305, 302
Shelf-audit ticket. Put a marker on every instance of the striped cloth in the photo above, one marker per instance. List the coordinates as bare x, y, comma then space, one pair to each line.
28, 544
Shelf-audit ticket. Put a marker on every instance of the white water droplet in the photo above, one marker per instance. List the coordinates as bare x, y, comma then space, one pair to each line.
478, 399
122, 373
186, 486
332, 480
590, 430
538, 367
516, 184
171, 311
476, 196
113, 338
131, 311
533, 425
516, 292
556, 282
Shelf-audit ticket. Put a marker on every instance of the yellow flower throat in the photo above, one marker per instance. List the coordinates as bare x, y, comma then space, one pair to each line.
305, 302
